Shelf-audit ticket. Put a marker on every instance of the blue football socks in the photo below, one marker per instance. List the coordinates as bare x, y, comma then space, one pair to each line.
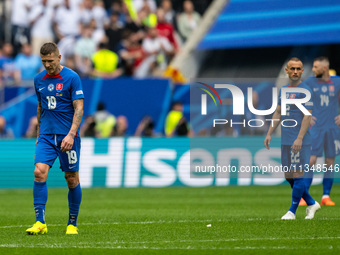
308, 178
39, 200
327, 181
307, 197
74, 200
298, 190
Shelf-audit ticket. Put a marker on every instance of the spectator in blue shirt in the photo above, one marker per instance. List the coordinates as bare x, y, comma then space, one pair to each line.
8, 71
5, 132
28, 63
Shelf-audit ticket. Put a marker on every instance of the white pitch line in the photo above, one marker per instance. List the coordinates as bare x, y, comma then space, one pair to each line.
215, 240
162, 222
120, 223
126, 223
220, 240
122, 244
160, 248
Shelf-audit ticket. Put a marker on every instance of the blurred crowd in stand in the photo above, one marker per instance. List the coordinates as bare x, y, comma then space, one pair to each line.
97, 38
103, 38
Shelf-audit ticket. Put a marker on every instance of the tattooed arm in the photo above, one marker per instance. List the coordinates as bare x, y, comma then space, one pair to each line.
78, 115
67, 142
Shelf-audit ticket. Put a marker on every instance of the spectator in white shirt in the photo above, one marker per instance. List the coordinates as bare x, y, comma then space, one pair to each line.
67, 20
41, 20
188, 20
94, 10
158, 49
140, 4
20, 23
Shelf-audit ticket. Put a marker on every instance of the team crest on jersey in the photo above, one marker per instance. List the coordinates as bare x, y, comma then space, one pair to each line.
331, 88
50, 87
292, 96
59, 87
324, 89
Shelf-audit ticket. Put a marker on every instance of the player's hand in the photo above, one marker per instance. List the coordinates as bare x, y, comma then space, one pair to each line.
267, 141
337, 120
297, 145
67, 143
313, 121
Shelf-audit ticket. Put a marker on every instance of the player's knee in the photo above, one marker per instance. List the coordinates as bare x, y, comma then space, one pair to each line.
72, 180
39, 173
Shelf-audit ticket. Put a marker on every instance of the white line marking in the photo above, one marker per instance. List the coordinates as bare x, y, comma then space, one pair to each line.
206, 241
125, 244
158, 248
119, 223
163, 222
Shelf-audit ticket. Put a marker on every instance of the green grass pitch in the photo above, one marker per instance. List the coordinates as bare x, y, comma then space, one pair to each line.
244, 220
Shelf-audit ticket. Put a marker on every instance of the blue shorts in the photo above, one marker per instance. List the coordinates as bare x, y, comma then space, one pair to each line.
48, 149
323, 140
291, 160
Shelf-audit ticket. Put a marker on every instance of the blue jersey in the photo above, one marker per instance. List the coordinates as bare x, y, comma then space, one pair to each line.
56, 93
289, 134
326, 101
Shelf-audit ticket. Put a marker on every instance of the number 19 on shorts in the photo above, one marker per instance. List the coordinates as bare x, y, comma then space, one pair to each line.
72, 156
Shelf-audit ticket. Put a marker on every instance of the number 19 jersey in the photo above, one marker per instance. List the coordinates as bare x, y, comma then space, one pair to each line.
56, 94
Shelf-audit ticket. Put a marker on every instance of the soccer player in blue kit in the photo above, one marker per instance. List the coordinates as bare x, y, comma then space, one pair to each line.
325, 122
295, 141
59, 113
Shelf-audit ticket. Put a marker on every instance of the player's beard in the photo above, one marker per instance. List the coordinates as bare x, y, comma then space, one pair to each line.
318, 75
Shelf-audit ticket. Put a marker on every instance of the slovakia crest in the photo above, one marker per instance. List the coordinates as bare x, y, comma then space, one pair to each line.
50, 87
59, 87
331, 88
292, 96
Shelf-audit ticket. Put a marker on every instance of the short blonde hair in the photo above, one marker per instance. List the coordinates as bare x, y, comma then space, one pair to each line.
49, 48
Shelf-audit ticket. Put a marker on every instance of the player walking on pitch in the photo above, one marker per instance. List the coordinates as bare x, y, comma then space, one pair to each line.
59, 113
325, 122
295, 141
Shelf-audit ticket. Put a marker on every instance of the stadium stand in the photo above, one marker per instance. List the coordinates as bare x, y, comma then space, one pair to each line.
204, 55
